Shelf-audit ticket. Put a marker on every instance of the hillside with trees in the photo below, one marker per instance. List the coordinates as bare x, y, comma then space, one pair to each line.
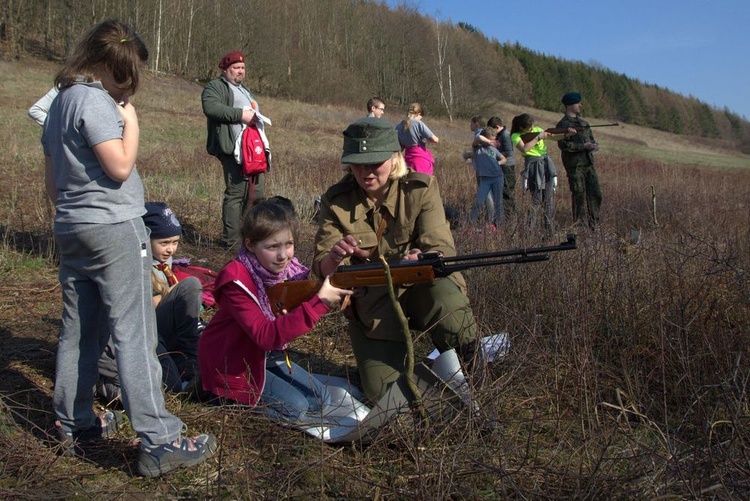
627, 377
339, 51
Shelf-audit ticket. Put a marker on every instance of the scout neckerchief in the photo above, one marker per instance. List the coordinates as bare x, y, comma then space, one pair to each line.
164, 268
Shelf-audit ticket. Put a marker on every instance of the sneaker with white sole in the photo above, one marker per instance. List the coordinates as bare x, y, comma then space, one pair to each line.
184, 452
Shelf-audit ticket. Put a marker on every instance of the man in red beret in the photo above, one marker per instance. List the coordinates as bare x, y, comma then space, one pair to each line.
228, 105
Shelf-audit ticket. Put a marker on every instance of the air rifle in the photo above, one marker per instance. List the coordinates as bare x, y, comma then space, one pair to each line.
529, 136
429, 266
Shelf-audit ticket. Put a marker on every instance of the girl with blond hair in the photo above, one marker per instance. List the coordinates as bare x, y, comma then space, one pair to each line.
413, 135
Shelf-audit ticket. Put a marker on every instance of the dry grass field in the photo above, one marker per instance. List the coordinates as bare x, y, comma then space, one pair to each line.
630, 366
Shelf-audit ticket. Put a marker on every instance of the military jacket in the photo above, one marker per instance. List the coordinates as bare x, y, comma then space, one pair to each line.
415, 218
572, 149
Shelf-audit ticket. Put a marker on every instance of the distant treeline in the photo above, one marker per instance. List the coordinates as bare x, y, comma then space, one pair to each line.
344, 51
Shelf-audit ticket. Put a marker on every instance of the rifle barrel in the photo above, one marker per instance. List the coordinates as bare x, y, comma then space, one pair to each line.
461, 266
569, 244
446, 265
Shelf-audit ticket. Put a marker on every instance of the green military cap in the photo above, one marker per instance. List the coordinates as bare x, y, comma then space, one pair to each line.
571, 98
369, 140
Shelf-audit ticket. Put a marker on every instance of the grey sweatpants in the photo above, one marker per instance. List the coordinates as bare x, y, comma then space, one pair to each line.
177, 341
105, 276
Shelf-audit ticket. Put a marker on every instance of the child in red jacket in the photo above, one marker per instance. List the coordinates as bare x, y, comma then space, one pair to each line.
240, 351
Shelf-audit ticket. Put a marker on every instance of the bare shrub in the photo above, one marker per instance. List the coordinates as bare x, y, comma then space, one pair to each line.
628, 375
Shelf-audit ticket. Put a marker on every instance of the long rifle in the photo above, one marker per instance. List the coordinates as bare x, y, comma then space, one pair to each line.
429, 266
528, 136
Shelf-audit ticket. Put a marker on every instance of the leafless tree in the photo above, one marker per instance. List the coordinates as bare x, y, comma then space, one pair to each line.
442, 45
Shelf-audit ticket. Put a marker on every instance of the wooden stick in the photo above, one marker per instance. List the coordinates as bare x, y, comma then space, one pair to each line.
409, 342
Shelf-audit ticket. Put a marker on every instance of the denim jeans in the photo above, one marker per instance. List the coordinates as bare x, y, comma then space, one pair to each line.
105, 277
291, 395
494, 185
489, 203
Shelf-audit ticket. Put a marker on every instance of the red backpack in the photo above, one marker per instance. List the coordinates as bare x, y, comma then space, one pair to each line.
254, 158
206, 277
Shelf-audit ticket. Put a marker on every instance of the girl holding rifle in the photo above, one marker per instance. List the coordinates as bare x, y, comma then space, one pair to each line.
539, 173
241, 351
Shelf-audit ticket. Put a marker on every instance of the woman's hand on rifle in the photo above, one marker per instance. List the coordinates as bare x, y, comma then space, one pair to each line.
412, 255
344, 248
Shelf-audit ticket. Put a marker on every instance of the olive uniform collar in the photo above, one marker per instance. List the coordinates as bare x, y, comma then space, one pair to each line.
349, 184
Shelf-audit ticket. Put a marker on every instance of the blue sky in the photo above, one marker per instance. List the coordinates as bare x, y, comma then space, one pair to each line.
698, 48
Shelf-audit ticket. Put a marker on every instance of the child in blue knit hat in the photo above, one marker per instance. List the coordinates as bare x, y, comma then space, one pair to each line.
177, 303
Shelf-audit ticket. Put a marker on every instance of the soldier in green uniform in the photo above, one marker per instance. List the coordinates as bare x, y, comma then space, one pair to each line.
577, 153
382, 208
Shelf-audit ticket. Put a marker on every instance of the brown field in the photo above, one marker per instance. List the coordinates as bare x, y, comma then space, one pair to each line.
629, 372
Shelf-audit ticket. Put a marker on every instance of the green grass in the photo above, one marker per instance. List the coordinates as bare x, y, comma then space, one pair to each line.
12, 263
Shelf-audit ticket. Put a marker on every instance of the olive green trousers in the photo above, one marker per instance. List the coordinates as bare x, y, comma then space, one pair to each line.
438, 307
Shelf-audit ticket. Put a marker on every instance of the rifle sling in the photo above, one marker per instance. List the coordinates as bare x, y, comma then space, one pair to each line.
378, 238
381, 230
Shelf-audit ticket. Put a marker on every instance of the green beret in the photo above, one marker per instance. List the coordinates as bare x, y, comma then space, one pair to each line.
571, 98
369, 140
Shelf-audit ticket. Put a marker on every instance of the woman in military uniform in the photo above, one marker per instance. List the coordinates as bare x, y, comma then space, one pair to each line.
382, 208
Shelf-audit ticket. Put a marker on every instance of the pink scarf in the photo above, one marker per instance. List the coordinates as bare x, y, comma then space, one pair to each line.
262, 278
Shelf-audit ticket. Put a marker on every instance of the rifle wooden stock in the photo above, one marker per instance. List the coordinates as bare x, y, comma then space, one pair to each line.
289, 295
529, 136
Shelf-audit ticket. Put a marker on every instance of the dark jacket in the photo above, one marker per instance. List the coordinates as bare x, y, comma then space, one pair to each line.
218, 106
572, 150
506, 147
